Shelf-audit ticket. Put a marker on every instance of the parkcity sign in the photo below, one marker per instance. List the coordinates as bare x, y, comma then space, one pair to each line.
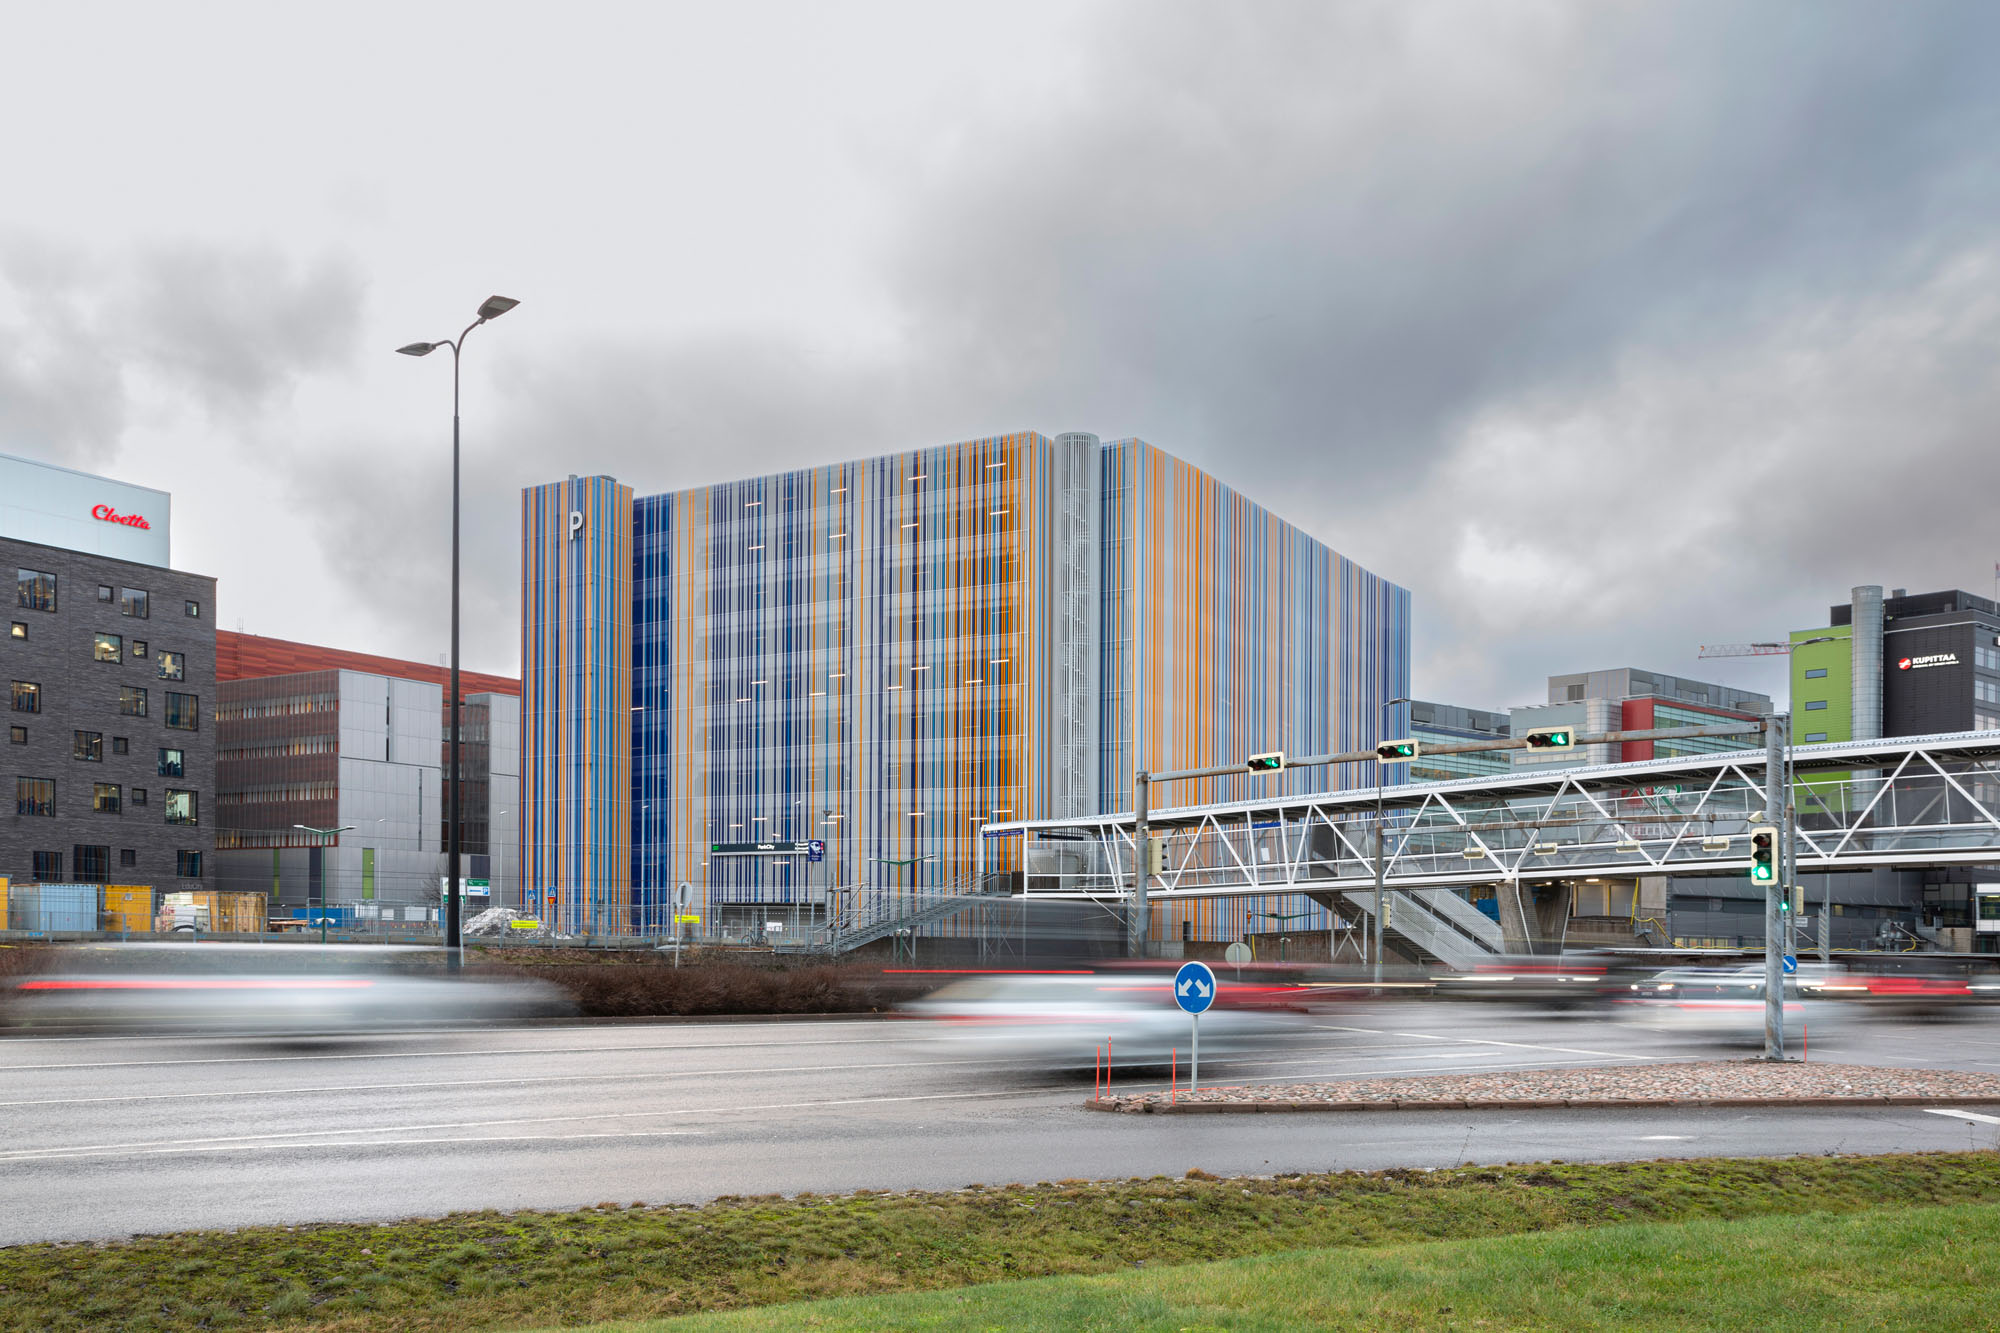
106, 514
1927, 660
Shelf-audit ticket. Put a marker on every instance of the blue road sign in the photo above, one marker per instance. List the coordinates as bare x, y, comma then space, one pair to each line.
1791, 964
1194, 987
816, 850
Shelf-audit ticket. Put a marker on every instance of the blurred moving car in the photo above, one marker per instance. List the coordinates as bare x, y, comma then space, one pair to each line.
290, 989
1064, 1019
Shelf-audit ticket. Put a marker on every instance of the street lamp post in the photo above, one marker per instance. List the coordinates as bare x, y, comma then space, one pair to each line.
1380, 850
323, 833
492, 308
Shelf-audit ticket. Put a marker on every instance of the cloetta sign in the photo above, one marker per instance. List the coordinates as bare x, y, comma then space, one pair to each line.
106, 514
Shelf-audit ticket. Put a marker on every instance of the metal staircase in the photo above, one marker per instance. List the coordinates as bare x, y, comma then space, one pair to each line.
1435, 924
875, 912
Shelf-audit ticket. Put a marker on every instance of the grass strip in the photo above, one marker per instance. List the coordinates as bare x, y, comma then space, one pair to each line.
513, 1270
1886, 1268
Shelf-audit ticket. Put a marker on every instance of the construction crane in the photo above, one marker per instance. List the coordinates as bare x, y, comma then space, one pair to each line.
1745, 650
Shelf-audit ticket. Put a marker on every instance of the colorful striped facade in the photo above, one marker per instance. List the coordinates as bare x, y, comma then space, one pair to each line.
885, 654
1234, 633
576, 679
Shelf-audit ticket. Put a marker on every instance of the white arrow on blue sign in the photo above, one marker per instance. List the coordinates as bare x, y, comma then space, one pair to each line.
1791, 964
1194, 987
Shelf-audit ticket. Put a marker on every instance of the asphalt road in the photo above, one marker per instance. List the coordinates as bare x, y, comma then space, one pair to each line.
111, 1136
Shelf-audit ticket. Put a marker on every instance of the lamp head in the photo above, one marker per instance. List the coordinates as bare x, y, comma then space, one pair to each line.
495, 306
418, 349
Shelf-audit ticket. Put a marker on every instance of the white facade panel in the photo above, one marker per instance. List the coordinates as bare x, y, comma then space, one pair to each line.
79, 511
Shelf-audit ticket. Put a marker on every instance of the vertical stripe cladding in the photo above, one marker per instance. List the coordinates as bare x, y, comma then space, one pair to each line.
840, 654
576, 662
873, 653
1250, 636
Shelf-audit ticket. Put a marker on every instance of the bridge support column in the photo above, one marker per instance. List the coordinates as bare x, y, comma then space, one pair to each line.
1533, 920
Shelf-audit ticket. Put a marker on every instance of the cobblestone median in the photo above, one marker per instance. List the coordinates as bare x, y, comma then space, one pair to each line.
1704, 1083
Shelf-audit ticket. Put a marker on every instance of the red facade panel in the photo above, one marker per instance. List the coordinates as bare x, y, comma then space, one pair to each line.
250, 656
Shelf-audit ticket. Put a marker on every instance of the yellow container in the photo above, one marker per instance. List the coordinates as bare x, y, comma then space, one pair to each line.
128, 907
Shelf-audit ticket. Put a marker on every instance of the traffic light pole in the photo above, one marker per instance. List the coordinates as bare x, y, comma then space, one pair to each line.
1140, 925
1775, 932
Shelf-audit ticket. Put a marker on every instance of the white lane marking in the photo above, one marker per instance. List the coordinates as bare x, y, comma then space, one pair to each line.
1527, 1046
425, 1055
1965, 1115
647, 1075
78, 1149
1663, 1138
63, 1155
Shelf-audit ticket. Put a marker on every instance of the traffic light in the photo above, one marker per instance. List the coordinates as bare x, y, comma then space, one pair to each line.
1397, 752
1265, 763
1763, 854
1156, 856
1551, 738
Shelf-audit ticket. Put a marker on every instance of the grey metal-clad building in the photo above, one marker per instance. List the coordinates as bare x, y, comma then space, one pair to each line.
110, 668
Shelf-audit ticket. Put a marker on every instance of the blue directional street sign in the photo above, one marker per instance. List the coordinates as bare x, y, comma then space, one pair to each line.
1791, 964
1194, 987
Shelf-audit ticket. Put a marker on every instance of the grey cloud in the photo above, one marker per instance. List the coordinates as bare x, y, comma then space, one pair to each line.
240, 329
1405, 272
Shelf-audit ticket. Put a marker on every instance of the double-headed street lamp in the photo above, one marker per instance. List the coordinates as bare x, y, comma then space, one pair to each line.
492, 308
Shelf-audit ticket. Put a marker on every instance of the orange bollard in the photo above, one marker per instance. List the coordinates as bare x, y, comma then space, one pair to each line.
1174, 1077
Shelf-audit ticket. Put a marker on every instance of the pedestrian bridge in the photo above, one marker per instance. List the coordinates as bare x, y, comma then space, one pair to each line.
1908, 801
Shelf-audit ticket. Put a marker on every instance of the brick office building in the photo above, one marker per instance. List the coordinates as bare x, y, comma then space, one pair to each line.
109, 660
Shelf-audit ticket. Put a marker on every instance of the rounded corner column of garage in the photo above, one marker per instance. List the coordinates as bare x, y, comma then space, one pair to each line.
576, 737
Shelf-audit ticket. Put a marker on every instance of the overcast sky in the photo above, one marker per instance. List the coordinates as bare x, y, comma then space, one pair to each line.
1521, 305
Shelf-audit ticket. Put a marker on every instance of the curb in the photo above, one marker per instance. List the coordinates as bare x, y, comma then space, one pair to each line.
1572, 1103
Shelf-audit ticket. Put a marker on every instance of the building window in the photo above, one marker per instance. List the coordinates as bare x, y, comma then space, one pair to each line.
48, 865
35, 796
138, 647
19, 629
172, 666
27, 697
172, 762
1986, 691
17, 735
132, 602
104, 798
89, 746
1985, 722
127, 858
183, 711
182, 807
187, 865
35, 589
119, 745
1817, 673
192, 609
93, 864
132, 701
103, 592
138, 796
1815, 705
1812, 736
110, 648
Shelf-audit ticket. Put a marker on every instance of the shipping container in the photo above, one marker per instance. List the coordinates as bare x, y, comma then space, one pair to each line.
47, 907
128, 907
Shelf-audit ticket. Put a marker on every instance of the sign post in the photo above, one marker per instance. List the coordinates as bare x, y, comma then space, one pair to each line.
1194, 991
682, 893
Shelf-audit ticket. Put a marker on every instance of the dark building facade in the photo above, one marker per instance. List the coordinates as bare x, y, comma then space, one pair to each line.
110, 671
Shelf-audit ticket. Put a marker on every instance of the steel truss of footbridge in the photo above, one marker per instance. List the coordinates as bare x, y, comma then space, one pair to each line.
1906, 801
